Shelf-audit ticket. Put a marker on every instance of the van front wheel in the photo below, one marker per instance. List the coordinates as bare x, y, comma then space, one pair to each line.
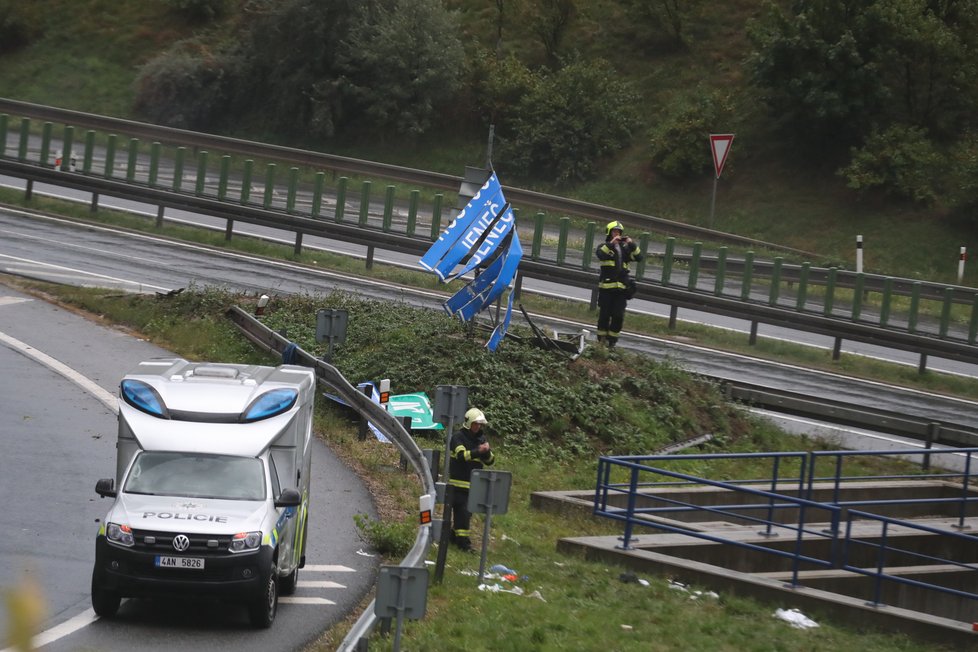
287, 584
263, 607
105, 603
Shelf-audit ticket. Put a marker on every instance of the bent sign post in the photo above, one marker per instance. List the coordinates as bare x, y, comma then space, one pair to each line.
720, 146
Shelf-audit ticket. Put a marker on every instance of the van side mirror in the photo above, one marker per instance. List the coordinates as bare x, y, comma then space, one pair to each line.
105, 488
288, 498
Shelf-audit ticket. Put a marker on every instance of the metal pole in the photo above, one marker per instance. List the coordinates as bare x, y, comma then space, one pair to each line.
713, 201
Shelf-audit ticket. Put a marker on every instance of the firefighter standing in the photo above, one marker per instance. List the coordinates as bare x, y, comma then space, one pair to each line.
617, 251
470, 450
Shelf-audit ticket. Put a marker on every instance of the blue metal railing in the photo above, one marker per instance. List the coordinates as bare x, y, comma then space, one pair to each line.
638, 491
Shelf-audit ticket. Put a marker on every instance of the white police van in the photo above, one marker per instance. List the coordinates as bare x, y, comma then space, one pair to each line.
211, 488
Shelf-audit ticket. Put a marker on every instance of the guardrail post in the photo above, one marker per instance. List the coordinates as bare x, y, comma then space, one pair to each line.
914, 307
340, 213
269, 186
775, 281
201, 173
886, 301
587, 256
4, 118
109, 169
388, 209
68, 144
946, 311
154, 162
293, 188
830, 291
412, 219
45, 143
643, 248
25, 133
562, 240
246, 180
694, 265
721, 271
802, 287
222, 181
436, 215
973, 328
131, 161
364, 203
178, 158
317, 194
747, 279
667, 260
537, 236
857, 296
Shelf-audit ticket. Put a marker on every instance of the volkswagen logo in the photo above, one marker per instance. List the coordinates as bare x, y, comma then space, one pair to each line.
181, 542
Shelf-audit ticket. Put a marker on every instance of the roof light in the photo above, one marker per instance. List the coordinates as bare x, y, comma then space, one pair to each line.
144, 398
270, 404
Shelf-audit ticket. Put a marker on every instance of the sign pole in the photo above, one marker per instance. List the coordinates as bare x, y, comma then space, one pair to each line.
713, 201
720, 147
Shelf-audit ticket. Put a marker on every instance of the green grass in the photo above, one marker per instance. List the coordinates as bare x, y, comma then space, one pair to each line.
567, 603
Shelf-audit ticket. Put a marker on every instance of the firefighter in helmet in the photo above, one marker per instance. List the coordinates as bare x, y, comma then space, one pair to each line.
470, 450
615, 286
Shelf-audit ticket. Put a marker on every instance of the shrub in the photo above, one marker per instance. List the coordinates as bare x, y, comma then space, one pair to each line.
899, 161
679, 144
15, 29
392, 540
198, 10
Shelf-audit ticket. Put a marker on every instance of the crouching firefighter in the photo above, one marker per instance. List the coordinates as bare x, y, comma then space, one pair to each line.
470, 450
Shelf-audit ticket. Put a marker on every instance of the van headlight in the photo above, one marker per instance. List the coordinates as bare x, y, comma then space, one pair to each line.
245, 541
120, 534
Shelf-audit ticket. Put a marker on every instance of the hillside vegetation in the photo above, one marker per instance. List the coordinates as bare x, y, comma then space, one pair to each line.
610, 100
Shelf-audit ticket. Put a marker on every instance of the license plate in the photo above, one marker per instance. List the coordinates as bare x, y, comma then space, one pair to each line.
179, 562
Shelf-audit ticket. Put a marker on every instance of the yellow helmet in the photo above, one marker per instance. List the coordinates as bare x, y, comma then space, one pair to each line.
474, 415
614, 225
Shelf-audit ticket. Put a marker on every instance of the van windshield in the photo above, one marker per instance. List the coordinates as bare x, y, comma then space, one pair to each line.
197, 475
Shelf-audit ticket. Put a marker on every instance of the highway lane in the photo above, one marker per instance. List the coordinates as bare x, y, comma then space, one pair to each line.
906, 358
61, 373
29, 246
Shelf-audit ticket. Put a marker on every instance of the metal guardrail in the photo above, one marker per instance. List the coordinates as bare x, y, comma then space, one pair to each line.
327, 374
777, 511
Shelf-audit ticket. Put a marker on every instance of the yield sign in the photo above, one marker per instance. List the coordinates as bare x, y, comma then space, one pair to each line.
720, 144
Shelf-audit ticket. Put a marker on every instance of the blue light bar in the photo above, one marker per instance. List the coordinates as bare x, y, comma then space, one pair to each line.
144, 398
270, 404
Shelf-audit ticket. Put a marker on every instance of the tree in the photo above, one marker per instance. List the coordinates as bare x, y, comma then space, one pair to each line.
549, 20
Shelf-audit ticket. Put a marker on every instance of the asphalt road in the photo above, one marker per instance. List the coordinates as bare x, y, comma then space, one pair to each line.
58, 388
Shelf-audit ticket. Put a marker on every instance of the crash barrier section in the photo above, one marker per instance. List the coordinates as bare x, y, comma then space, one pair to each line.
387, 424
794, 500
773, 293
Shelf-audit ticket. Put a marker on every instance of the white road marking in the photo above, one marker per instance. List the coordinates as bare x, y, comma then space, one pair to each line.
321, 585
295, 600
76, 272
60, 631
9, 301
62, 369
328, 568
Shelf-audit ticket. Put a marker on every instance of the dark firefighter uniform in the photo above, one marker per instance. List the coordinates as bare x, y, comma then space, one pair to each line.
614, 254
466, 456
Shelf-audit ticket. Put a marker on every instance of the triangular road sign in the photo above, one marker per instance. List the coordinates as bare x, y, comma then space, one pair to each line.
720, 144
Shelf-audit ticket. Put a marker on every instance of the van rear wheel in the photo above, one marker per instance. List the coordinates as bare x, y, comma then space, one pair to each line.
263, 607
105, 603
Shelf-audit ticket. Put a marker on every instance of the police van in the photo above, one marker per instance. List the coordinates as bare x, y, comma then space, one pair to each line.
211, 485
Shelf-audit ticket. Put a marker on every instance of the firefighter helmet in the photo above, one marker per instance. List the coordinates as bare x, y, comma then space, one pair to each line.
474, 415
614, 225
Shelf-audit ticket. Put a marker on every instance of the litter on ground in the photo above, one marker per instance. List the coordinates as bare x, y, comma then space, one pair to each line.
797, 619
